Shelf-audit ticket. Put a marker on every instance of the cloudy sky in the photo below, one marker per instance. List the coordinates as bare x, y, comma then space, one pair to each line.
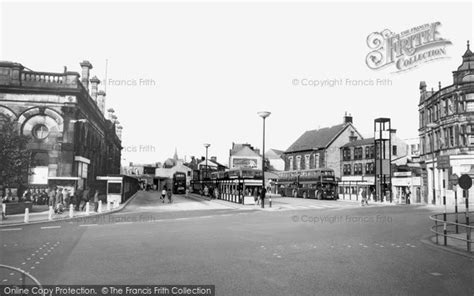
181, 74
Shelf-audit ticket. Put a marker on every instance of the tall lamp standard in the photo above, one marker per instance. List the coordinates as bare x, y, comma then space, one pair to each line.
432, 126
207, 146
264, 115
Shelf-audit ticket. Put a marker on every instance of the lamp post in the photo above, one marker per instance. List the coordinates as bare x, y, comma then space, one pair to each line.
431, 127
264, 115
207, 146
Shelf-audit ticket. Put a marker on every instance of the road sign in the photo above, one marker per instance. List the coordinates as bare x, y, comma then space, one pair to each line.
465, 182
454, 179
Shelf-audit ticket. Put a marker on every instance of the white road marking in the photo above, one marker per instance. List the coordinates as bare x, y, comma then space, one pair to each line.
123, 222
32, 267
88, 225
12, 273
435, 273
50, 227
11, 229
5, 280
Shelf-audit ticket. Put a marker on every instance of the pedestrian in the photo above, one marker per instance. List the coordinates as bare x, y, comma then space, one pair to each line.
59, 200
408, 193
187, 192
168, 192
263, 192
85, 198
363, 197
78, 199
66, 196
4, 206
256, 195
163, 194
52, 197
206, 191
96, 200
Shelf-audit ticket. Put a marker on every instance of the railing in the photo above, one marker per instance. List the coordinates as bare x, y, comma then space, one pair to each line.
43, 77
24, 275
453, 230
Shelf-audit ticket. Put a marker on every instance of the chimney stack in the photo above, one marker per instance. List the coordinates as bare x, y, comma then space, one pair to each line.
110, 113
101, 101
94, 87
86, 67
422, 87
347, 118
119, 132
214, 158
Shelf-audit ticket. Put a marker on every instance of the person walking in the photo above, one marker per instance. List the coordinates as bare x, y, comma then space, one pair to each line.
256, 195
168, 192
85, 198
59, 200
163, 194
363, 197
96, 200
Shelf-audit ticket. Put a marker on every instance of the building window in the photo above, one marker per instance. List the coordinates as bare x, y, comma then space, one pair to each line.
394, 150
298, 163
290, 160
451, 136
40, 131
358, 153
316, 160
358, 169
369, 152
346, 154
346, 169
306, 161
369, 168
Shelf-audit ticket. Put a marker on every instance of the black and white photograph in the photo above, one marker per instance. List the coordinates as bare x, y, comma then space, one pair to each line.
253, 147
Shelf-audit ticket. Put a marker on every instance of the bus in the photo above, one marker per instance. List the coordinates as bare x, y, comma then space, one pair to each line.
314, 183
179, 183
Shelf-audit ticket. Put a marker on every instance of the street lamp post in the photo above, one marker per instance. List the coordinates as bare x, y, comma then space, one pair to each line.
432, 126
207, 146
264, 115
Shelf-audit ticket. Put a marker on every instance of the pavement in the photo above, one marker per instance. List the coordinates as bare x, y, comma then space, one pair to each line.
344, 249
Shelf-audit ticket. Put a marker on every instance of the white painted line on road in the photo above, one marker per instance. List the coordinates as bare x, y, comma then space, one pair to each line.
89, 225
435, 273
23, 263
12, 273
32, 267
50, 227
124, 222
5, 280
11, 229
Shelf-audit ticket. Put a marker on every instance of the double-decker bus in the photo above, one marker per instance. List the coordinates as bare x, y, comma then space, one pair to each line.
179, 182
315, 183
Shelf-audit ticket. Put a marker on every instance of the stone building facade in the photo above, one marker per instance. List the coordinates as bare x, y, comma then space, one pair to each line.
73, 140
321, 148
447, 132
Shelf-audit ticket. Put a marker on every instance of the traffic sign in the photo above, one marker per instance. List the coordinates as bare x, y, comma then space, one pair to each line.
454, 179
465, 182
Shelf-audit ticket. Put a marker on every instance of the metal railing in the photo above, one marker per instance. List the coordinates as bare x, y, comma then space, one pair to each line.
460, 230
24, 276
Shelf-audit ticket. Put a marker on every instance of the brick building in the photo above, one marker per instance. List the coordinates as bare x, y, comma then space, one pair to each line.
447, 132
358, 164
321, 148
72, 139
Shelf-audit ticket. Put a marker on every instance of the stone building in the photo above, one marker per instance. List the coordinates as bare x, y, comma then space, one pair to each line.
73, 140
321, 148
358, 164
447, 132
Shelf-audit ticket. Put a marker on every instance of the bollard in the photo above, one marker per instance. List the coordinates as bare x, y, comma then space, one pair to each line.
71, 211
456, 207
445, 231
108, 206
4, 211
99, 207
87, 208
270, 201
50, 213
27, 215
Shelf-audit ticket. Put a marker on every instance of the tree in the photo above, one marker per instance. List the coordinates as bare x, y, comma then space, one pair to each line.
15, 159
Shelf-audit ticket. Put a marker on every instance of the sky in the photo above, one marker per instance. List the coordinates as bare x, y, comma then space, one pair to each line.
181, 74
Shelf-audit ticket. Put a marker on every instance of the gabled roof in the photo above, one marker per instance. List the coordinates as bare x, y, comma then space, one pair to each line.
317, 139
245, 151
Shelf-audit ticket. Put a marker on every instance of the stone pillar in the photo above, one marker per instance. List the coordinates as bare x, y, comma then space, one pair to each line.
86, 67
